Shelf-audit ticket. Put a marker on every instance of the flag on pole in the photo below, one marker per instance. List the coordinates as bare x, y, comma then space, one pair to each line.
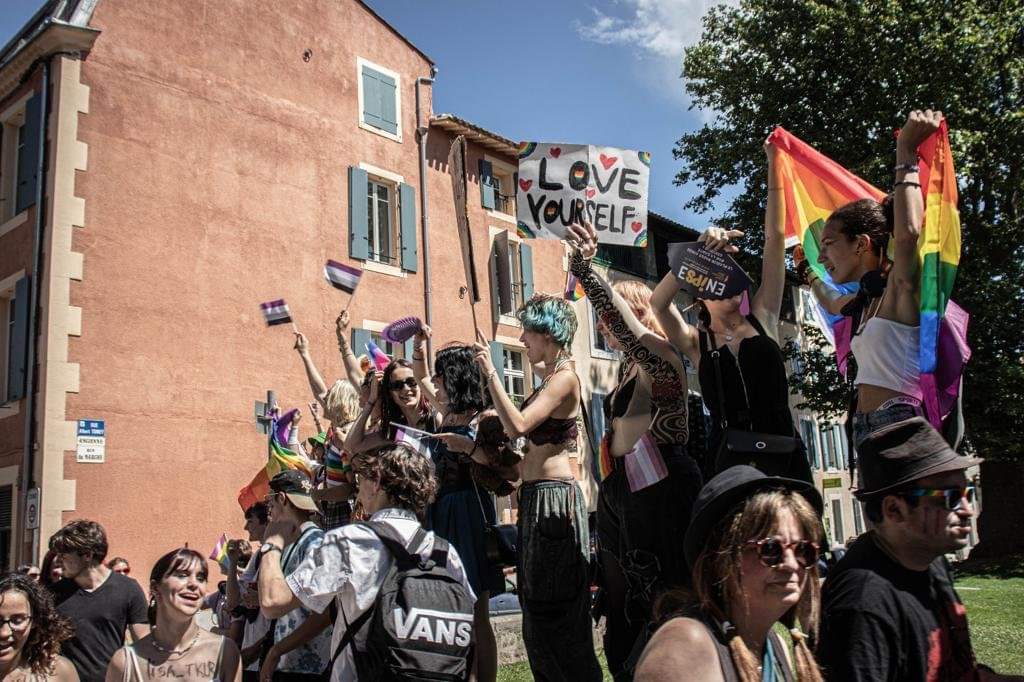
276, 312
644, 464
341, 276
414, 438
378, 357
279, 458
573, 288
220, 552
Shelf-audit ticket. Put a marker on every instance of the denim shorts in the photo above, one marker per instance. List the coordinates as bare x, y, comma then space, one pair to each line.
890, 412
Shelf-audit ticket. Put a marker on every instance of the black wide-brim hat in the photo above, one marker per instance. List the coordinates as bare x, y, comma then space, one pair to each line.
725, 491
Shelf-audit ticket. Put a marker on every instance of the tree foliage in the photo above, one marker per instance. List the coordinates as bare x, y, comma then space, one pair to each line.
842, 75
815, 377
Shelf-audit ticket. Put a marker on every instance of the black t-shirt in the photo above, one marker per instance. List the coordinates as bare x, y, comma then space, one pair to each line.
100, 618
882, 621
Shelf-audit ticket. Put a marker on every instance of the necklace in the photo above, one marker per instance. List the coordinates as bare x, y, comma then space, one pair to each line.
726, 334
172, 650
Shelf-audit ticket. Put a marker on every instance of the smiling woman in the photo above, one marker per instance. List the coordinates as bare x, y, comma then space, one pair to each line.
31, 632
176, 646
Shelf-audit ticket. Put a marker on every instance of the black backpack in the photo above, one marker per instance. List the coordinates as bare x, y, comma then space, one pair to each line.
421, 623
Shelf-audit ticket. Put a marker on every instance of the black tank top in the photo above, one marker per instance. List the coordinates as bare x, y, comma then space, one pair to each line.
757, 400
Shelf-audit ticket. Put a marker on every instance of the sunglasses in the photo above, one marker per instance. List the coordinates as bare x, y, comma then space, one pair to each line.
397, 385
771, 551
953, 498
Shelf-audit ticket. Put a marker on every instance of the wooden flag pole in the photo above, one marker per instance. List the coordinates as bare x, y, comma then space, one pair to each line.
457, 168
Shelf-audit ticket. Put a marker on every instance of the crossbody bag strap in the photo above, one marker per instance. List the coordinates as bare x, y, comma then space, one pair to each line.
717, 364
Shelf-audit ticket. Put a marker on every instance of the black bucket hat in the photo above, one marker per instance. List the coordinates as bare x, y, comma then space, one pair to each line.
728, 489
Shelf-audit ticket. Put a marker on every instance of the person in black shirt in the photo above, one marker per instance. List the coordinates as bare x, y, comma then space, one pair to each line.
101, 604
889, 608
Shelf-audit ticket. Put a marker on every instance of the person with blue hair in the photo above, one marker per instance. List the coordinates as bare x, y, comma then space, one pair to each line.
554, 541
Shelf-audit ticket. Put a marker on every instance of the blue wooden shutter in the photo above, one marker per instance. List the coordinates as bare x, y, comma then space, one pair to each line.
358, 237
498, 358
371, 98
526, 264
408, 349
407, 202
360, 337
17, 365
388, 104
486, 187
28, 159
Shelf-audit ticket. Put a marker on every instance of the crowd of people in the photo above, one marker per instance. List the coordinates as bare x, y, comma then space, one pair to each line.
380, 564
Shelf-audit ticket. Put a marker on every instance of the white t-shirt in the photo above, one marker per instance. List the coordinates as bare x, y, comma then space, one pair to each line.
258, 628
350, 565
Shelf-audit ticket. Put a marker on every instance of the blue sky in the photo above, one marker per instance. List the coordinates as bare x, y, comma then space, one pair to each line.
602, 72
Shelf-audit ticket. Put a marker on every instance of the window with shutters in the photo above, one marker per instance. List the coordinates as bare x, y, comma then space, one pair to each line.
6, 514
511, 275
599, 347
498, 187
396, 351
514, 371
7, 315
809, 435
807, 306
383, 233
17, 159
380, 101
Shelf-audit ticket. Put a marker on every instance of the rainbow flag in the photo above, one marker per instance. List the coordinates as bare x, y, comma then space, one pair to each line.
220, 552
279, 458
338, 465
813, 187
379, 358
573, 288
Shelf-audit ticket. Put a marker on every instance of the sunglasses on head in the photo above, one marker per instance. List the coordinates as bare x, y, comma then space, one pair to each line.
953, 498
771, 551
410, 382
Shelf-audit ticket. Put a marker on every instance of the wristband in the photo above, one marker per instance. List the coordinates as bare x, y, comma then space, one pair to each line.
490, 374
907, 183
908, 167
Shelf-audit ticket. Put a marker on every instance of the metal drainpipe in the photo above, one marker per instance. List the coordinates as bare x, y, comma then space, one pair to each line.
421, 137
28, 477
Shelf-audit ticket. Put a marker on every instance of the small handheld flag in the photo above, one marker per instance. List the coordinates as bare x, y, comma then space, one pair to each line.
220, 552
573, 288
341, 276
378, 357
411, 437
644, 464
276, 312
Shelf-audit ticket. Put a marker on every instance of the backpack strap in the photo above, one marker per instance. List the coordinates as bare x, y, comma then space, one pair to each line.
439, 554
405, 556
351, 629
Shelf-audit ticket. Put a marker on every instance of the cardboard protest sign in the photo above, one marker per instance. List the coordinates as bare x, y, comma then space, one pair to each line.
559, 183
704, 273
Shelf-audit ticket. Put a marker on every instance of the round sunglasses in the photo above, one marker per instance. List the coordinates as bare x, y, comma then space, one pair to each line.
771, 551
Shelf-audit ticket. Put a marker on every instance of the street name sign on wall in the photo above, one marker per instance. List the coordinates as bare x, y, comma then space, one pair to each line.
92, 441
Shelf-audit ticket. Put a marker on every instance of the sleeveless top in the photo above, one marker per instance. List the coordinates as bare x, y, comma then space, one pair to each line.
552, 431
453, 469
755, 384
887, 355
133, 667
774, 664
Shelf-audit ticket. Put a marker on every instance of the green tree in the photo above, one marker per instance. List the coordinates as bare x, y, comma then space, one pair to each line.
842, 75
815, 376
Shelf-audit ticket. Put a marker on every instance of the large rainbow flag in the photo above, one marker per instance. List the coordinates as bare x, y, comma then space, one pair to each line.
279, 458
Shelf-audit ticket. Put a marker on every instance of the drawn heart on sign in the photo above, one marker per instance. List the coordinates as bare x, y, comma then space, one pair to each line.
591, 192
608, 161
525, 185
636, 225
555, 151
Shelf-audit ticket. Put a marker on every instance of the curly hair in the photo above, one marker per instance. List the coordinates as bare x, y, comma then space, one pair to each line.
178, 559
406, 476
341, 404
260, 511
455, 365
717, 574
81, 537
553, 315
868, 217
637, 296
390, 412
48, 627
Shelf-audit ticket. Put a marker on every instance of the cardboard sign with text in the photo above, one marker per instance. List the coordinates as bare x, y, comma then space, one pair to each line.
558, 183
704, 273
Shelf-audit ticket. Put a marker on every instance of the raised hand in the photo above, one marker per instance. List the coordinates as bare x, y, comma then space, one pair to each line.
919, 125
456, 442
341, 325
719, 239
482, 354
582, 238
301, 344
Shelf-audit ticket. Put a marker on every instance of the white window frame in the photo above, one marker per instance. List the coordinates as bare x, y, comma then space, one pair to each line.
360, 63
7, 285
515, 272
838, 534
807, 303
596, 352
9, 476
11, 119
815, 443
394, 181
508, 375
500, 169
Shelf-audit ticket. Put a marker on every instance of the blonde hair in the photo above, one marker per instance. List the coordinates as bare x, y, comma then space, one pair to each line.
341, 404
718, 572
637, 296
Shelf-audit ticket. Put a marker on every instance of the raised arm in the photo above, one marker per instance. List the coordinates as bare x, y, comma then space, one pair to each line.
831, 299
679, 333
518, 422
653, 353
316, 382
358, 440
902, 291
421, 370
767, 302
348, 357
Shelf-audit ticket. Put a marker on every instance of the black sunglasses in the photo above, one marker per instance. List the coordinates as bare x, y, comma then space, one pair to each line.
397, 385
771, 551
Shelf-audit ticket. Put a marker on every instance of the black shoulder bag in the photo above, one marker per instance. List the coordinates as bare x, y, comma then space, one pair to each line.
770, 453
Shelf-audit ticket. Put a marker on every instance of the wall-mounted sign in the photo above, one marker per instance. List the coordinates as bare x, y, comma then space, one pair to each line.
32, 509
92, 441
831, 483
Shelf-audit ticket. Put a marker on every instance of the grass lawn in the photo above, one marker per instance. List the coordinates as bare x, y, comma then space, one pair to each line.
995, 610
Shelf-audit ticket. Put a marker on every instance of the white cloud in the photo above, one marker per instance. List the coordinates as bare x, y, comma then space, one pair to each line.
662, 28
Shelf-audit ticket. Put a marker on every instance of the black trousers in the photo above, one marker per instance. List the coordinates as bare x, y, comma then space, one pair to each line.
641, 535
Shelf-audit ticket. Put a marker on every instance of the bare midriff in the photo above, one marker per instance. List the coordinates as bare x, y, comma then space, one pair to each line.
550, 460
870, 398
